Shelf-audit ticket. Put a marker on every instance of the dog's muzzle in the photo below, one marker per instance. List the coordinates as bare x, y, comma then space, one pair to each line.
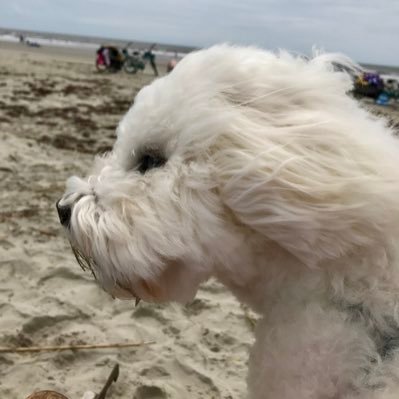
64, 213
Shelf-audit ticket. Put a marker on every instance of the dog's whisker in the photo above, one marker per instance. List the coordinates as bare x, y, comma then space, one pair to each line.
78, 258
84, 261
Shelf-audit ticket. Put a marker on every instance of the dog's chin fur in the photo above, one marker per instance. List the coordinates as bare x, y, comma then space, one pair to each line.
276, 182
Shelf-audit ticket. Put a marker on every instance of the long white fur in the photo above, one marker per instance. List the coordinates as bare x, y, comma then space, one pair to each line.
279, 184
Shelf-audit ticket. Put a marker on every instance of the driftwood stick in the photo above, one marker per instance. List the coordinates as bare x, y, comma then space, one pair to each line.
71, 347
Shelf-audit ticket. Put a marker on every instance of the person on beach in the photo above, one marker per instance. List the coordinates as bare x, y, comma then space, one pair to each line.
150, 56
106, 55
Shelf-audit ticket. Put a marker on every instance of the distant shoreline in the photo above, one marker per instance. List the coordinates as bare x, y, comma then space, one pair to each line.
140, 45
163, 49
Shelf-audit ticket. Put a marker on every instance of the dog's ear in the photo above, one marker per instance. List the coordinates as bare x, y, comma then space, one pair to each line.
316, 190
302, 164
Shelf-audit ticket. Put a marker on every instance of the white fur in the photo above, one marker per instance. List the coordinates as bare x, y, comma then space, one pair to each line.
280, 185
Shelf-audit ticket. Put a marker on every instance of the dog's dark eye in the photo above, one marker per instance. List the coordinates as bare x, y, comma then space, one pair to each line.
150, 161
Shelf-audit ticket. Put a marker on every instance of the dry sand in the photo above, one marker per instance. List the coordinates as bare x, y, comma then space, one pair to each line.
56, 112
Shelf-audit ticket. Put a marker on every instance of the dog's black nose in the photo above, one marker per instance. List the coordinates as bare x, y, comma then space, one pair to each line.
64, 213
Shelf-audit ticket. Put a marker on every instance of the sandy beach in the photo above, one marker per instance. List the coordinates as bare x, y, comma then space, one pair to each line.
56, 113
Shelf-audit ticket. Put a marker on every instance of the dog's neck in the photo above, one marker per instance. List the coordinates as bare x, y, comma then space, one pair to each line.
261, 273
256, 270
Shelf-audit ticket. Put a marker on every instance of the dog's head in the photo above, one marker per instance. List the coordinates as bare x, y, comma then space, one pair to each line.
235, 142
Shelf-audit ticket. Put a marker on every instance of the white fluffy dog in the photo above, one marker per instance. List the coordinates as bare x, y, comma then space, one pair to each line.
260, 170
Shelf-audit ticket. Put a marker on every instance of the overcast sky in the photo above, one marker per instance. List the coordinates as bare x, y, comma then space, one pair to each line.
366, 30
